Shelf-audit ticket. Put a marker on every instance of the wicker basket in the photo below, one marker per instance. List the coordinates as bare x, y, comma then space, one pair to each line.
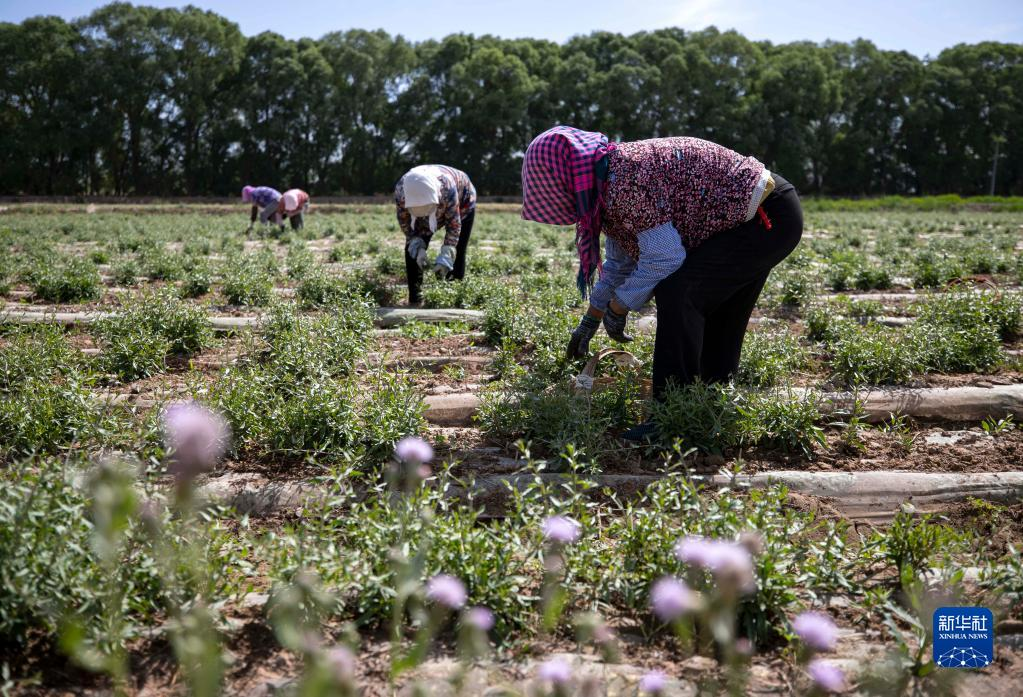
585, 383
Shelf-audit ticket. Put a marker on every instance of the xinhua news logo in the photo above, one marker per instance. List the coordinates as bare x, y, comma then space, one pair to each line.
964, 637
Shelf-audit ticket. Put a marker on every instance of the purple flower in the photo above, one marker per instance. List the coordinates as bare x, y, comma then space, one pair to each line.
555, 671
730, 562
196, 438
447, 591
670, 599
816, 630
480, 618
342, 664
561, 529
653, 682
693, 550
413, 449
602, 634
826, 676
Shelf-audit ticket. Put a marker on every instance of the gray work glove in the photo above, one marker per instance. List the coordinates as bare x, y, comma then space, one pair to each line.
444, 264
417, 250
614, 325
579, 344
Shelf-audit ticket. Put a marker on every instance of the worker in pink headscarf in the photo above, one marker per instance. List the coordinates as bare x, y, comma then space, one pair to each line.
294, 204
265, 203
688, 223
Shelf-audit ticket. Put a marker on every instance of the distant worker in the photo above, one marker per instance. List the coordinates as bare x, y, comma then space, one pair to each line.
429, 196
293, 206
265, 204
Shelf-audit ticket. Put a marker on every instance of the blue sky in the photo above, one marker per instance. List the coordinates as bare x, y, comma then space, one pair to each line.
919, 26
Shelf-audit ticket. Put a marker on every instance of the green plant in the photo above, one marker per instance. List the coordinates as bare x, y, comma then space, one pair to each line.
159, 263
778, 420
898, 426
47, 416
247, 281
72, 281
41, 352
993, 427
198, 280
872, 355
553, 417
911, 543
699, 415
126, 273
957, 348
768, 358
300, 260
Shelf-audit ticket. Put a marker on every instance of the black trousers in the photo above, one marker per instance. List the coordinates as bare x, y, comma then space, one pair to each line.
704, 307
414, 274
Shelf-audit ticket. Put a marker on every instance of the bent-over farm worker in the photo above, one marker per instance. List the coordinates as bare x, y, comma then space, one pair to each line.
294, 205
265, 203
691, 223
428, 197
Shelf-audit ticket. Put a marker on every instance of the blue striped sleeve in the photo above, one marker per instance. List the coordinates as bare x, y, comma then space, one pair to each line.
616, 268
660, 254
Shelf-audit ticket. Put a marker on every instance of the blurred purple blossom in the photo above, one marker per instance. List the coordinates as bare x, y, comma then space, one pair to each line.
670, 599
653, 682
480, 618
447, 591
342, 664
730, 562
413, 449
561, 529
826, 676
817, 631
196, 438
556, 671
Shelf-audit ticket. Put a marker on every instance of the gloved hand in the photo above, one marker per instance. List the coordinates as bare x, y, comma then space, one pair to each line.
614, 325
417, 250
445, 261
579, 344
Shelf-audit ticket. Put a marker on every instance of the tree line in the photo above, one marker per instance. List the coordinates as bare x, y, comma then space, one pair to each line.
147, 101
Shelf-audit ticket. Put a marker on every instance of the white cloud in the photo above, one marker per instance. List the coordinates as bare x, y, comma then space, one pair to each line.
697, 14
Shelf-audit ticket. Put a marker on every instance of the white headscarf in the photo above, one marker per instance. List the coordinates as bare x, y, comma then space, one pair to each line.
422, 188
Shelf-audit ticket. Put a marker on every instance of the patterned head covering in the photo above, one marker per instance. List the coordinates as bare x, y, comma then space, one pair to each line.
563, 177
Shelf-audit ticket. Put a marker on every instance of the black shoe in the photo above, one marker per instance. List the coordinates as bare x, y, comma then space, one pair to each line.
644, 433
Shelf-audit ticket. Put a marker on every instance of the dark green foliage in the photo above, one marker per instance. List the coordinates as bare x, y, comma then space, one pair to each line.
195, 61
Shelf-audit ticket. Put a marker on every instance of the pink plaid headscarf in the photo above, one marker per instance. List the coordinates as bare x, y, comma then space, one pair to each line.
561, 185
